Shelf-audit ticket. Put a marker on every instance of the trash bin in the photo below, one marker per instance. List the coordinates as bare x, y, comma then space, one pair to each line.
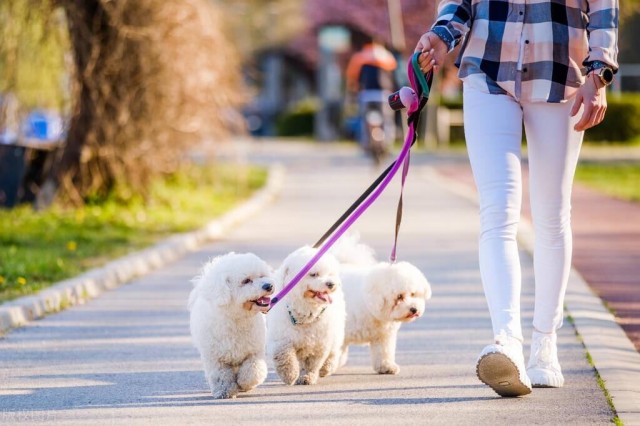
12, 169
39, 139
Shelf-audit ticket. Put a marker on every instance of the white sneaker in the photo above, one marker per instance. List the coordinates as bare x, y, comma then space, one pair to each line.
501, 367
543, 368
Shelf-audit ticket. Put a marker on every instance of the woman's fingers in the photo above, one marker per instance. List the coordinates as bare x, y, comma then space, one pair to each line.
427, 60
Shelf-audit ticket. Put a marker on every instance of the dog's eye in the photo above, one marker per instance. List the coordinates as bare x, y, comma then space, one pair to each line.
400, 297
314, 275
246, 281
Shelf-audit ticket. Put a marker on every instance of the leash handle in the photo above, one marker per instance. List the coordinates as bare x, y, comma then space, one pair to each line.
422, 82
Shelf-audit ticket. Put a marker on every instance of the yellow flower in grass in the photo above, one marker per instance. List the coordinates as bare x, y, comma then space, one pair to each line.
72, 245
2, 280
21, 280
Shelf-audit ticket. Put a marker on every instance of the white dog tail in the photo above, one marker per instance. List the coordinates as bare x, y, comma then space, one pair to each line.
350, 251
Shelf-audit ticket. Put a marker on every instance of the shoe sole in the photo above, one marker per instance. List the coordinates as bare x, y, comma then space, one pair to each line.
498, 372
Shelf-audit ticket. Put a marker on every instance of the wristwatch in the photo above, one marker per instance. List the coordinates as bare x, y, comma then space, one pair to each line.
605, 74
601, 70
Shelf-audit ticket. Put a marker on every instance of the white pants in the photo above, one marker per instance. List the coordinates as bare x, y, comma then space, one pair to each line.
493, 131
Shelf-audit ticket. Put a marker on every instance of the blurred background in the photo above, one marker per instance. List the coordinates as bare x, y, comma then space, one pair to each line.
100, 95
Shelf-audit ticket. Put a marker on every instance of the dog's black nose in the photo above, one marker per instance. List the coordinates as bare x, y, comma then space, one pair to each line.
267, 287
330, 284
413, 310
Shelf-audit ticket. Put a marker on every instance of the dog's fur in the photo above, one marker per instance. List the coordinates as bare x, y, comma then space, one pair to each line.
227, 325
379, 297
310, 347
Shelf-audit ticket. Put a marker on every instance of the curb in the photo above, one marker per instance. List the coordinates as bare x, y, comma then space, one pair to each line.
94, 282
612, 354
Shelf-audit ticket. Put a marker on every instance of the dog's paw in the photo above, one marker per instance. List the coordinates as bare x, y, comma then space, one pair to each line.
224, 390
388, 368
325, 371
328, 368
307, 379
223, 394
287, 376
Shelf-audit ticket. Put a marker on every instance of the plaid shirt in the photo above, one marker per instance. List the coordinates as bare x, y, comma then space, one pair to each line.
533, 50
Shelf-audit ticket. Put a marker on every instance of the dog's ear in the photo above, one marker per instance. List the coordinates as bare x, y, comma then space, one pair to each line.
284, 277
426, 287
221, 289
378, 305
377, 291
427, 291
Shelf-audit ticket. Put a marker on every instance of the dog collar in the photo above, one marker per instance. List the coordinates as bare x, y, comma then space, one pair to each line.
306, 320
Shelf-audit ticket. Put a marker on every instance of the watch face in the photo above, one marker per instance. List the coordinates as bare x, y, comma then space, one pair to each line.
607, 75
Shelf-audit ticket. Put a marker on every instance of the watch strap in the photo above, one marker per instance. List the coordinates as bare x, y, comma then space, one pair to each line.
594, 65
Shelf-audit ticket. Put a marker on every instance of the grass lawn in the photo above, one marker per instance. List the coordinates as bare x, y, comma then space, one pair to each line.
621, 180
38, 249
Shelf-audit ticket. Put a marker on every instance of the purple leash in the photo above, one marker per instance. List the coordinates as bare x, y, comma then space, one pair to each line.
350, 221
414, 99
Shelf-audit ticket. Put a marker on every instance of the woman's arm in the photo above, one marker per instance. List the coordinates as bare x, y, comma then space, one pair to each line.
446, 33
603, 32
603, 50
453, 22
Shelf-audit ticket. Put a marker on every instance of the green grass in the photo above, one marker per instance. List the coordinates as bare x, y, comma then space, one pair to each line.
601, 383
38, 249
620, 180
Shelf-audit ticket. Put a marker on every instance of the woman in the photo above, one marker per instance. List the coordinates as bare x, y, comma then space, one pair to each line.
539, 63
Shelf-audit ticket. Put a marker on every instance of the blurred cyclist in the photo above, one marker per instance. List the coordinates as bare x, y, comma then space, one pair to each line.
370, 75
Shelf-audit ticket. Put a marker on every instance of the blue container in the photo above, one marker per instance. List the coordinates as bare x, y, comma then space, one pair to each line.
38, 126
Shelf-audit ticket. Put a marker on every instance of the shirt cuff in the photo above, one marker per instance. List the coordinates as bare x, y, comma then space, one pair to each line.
444, 35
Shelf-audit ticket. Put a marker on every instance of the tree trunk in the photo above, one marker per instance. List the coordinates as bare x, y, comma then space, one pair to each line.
88, 25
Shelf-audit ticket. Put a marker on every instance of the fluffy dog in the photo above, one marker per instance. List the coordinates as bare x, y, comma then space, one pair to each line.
226, 323
379, 297
306, 329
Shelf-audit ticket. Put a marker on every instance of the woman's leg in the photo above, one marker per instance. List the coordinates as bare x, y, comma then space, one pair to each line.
553, 148
493, 132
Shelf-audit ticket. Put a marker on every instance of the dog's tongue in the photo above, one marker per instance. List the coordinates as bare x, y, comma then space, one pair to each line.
264, 300
326, 297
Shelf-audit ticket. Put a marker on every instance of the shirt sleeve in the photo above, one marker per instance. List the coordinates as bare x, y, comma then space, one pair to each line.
453, 21
602, 29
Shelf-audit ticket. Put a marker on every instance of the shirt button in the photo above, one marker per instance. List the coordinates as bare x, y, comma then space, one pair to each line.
526, 41
521, 13
524, 69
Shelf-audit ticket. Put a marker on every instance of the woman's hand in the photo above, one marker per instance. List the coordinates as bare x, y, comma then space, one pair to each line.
593, 95
433, 51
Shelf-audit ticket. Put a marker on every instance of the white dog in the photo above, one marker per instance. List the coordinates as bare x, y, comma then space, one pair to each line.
306, 328
226, 323
379, 296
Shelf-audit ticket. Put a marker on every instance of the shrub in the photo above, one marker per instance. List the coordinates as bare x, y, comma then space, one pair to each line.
298, 120
621, 122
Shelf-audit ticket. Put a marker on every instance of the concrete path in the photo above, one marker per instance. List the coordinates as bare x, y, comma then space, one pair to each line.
126, 357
